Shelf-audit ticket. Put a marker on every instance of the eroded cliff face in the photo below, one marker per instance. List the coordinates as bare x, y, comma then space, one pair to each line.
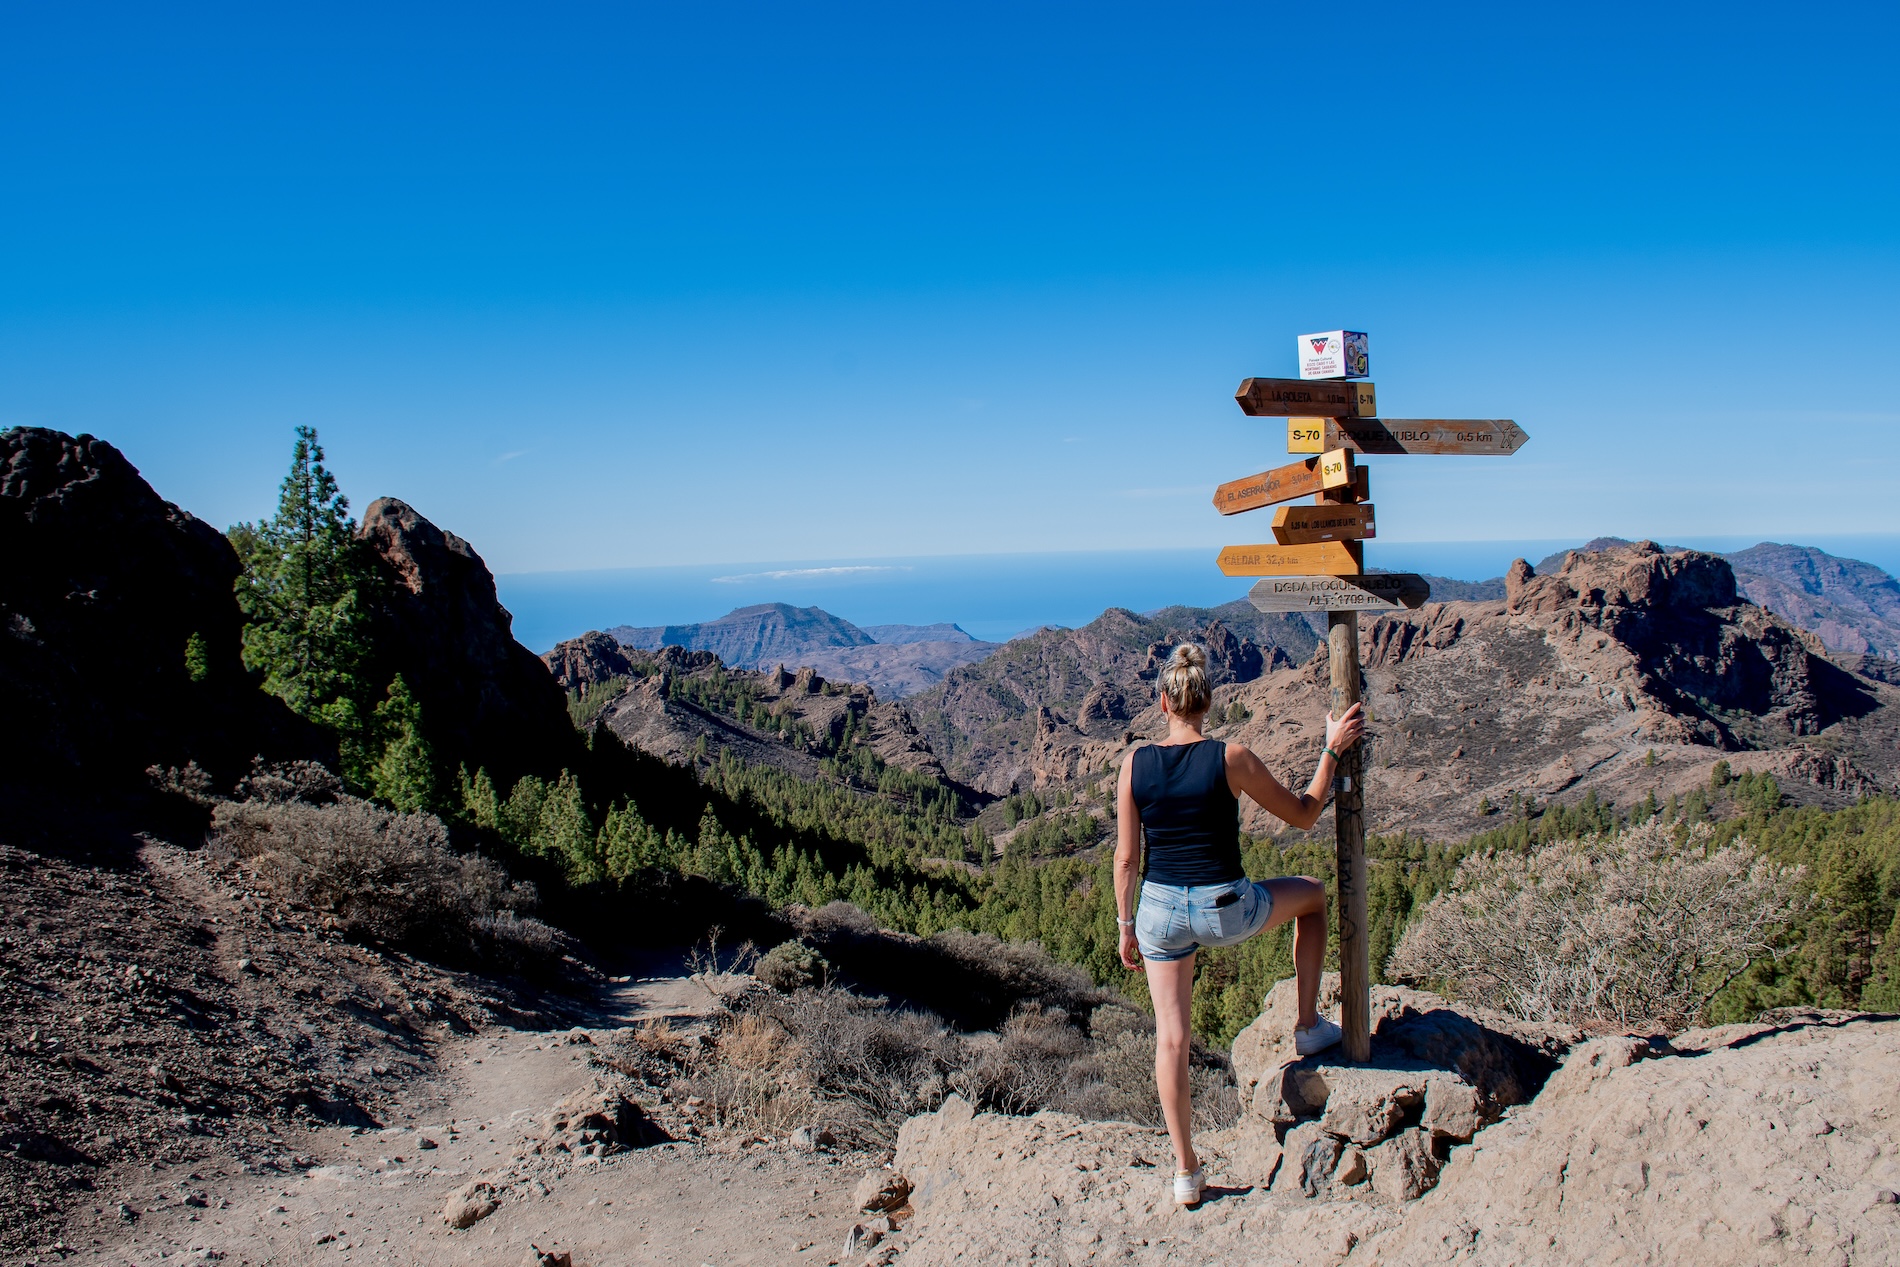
486, 699
104, 585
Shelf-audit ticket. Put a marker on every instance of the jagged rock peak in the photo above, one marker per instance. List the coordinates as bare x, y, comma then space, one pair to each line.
591, 658
485, 698
1638, 575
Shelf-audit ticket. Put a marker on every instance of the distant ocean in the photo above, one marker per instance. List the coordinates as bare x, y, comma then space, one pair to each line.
993, 596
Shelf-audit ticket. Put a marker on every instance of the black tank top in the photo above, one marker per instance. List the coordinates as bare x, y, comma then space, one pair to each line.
1188, 813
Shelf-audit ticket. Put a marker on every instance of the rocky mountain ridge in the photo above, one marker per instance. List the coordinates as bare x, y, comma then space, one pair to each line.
897, 660
1567, 684
689, 707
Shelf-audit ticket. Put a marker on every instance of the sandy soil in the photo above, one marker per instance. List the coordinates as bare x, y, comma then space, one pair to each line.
376, 1195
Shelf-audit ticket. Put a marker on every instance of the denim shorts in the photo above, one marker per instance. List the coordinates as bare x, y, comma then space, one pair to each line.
1172, 920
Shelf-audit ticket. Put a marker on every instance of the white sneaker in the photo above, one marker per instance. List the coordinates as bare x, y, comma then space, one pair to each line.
1188, 1188
1317, 1038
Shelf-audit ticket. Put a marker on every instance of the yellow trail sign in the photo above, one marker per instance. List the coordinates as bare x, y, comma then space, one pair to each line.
1300, 525
1314, 398
1320, 558
1284, 483
1471, 437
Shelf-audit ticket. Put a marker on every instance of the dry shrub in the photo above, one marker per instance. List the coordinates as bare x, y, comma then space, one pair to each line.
823, 1057
1023, 1068
1629, 930
387, 877
1115, 1079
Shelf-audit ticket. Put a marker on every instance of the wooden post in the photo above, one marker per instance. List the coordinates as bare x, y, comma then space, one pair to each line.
1349, 825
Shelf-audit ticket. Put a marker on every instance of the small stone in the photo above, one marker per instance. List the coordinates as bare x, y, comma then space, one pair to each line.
1452, 1109
1366, 1105
468, 1205
1404, 1168
245, 965
323, 1238
127, 1214
860, 1238
802, 1140
1352, 1167
425, 1143
538, 1257
880, 1191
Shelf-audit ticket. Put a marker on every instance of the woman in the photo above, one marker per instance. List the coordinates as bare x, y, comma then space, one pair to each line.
1184, 794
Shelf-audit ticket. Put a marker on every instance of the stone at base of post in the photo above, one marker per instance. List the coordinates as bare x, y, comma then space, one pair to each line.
1349, 895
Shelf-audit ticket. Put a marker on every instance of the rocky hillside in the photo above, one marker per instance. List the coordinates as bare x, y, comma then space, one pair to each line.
1568, 684
1851, 606
688, 707
1052, 706
895, 660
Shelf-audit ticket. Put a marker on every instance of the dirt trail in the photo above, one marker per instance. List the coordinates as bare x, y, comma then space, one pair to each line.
376, 1195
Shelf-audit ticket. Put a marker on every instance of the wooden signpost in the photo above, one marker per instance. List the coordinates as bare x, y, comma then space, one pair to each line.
1317, 565
1280, 397
1375, 592
1296, 525
1323, 558
1480, 437
1284, 483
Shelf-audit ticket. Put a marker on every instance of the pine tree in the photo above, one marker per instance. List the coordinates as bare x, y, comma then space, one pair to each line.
303, 593
480, 805
521, 812
404, 776
562, 831
197, 658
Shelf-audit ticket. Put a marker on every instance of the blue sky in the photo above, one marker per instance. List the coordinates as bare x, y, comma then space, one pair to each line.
616, 286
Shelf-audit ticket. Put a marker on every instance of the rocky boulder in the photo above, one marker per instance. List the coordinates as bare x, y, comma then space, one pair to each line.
486, 699
1772, 1144
588, 660
119, 629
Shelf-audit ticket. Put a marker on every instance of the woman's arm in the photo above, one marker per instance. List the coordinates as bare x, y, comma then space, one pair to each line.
1246, 773
1127, 862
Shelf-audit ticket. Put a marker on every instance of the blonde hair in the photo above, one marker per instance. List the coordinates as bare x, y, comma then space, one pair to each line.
1184, 681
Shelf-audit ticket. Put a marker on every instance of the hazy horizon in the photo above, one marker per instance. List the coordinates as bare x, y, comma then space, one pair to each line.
992, 596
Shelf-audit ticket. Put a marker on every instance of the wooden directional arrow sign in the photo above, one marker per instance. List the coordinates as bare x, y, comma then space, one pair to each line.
1299, 525
1486, 437
1378, 592
1284, 483
1313, 398
1332, 558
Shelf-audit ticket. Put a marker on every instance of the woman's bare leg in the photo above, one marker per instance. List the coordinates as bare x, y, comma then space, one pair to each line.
1171, 986
1303, 899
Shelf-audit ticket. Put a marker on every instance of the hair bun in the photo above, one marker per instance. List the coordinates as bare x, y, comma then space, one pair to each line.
1184, 680
1188, 656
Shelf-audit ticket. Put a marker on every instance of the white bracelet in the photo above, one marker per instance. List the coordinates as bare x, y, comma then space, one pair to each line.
1125, 923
